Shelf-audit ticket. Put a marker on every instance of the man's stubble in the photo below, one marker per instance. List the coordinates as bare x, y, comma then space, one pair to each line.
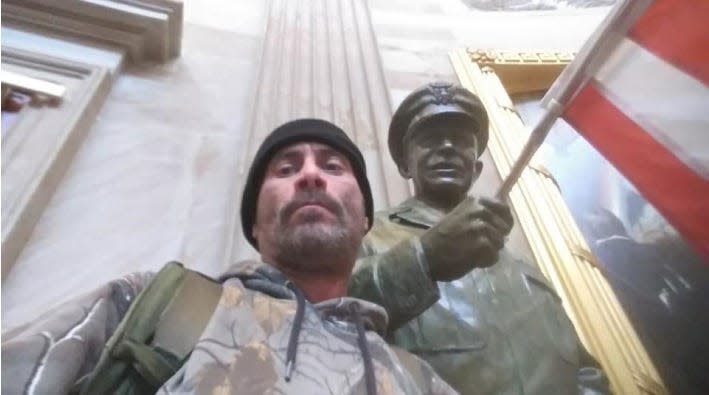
312, 245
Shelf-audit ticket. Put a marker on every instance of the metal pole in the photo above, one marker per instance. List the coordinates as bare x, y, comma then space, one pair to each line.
538, 134
604, 41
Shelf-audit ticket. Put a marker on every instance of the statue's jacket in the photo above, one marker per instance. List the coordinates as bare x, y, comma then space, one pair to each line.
497, 330
244, 348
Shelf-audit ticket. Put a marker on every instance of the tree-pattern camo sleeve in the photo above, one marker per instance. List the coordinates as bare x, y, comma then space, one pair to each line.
50, 354
397, 279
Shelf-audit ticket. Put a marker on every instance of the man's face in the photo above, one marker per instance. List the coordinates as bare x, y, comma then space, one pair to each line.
309, 207
441, 158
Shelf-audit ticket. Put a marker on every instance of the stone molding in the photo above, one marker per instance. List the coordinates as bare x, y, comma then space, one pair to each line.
147, 30
40, 146
32, 167
41, 91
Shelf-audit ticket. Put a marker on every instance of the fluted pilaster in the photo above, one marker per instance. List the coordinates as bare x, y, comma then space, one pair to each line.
320, 59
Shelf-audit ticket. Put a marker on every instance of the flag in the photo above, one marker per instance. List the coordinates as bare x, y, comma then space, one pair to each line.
639, 93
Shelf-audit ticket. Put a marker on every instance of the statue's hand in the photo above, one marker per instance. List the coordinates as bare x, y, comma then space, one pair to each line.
470, 236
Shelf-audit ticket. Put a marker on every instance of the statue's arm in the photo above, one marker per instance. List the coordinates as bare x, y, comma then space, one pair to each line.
397, 279
50, 354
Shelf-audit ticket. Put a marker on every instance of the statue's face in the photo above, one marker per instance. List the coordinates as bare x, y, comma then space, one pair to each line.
442, 158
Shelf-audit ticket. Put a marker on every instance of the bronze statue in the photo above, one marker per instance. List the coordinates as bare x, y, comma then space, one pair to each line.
487, 322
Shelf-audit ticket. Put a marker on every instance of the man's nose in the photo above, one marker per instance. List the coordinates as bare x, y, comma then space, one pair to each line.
310, 176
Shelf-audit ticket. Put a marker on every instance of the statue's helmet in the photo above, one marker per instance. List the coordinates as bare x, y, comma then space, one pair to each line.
437, 99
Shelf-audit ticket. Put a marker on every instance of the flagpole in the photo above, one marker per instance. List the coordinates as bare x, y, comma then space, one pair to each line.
567, 85
539, 133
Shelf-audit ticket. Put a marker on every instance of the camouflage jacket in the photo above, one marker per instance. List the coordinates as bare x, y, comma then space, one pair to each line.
243, 349
499, 330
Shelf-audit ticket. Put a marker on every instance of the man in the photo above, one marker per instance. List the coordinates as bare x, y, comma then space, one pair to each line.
285, 326
486, 322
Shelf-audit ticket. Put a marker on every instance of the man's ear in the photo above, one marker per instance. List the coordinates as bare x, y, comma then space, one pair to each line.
254, 232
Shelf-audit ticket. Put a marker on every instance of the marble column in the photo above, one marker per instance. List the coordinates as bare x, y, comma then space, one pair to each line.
320, 59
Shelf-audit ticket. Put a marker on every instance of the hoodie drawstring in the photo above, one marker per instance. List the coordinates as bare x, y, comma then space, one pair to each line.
361, 340
364, 349
295, 330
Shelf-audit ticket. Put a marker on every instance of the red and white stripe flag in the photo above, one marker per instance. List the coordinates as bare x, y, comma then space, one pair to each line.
638, 92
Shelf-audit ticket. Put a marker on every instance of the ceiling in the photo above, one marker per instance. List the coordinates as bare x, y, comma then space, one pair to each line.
530, 5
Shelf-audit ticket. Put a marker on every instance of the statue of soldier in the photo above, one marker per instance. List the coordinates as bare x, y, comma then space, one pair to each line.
488, 323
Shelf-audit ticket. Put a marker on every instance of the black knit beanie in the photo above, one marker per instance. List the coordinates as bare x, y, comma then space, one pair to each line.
300, 130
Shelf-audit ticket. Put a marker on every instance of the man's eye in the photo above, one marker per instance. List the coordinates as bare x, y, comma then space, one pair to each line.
333, 165
285, 170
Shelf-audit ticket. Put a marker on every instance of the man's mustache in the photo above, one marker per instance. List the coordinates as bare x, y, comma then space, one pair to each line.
305, 198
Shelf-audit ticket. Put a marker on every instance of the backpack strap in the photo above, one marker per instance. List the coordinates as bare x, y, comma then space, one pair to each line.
157, 334
185, 318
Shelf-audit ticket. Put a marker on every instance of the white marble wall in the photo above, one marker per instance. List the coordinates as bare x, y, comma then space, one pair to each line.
155, 179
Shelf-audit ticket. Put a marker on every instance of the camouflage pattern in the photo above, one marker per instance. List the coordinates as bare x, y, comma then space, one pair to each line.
241, 351
498, 330
49, 355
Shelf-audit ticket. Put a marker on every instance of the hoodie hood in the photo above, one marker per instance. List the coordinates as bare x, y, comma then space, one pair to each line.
265, 278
